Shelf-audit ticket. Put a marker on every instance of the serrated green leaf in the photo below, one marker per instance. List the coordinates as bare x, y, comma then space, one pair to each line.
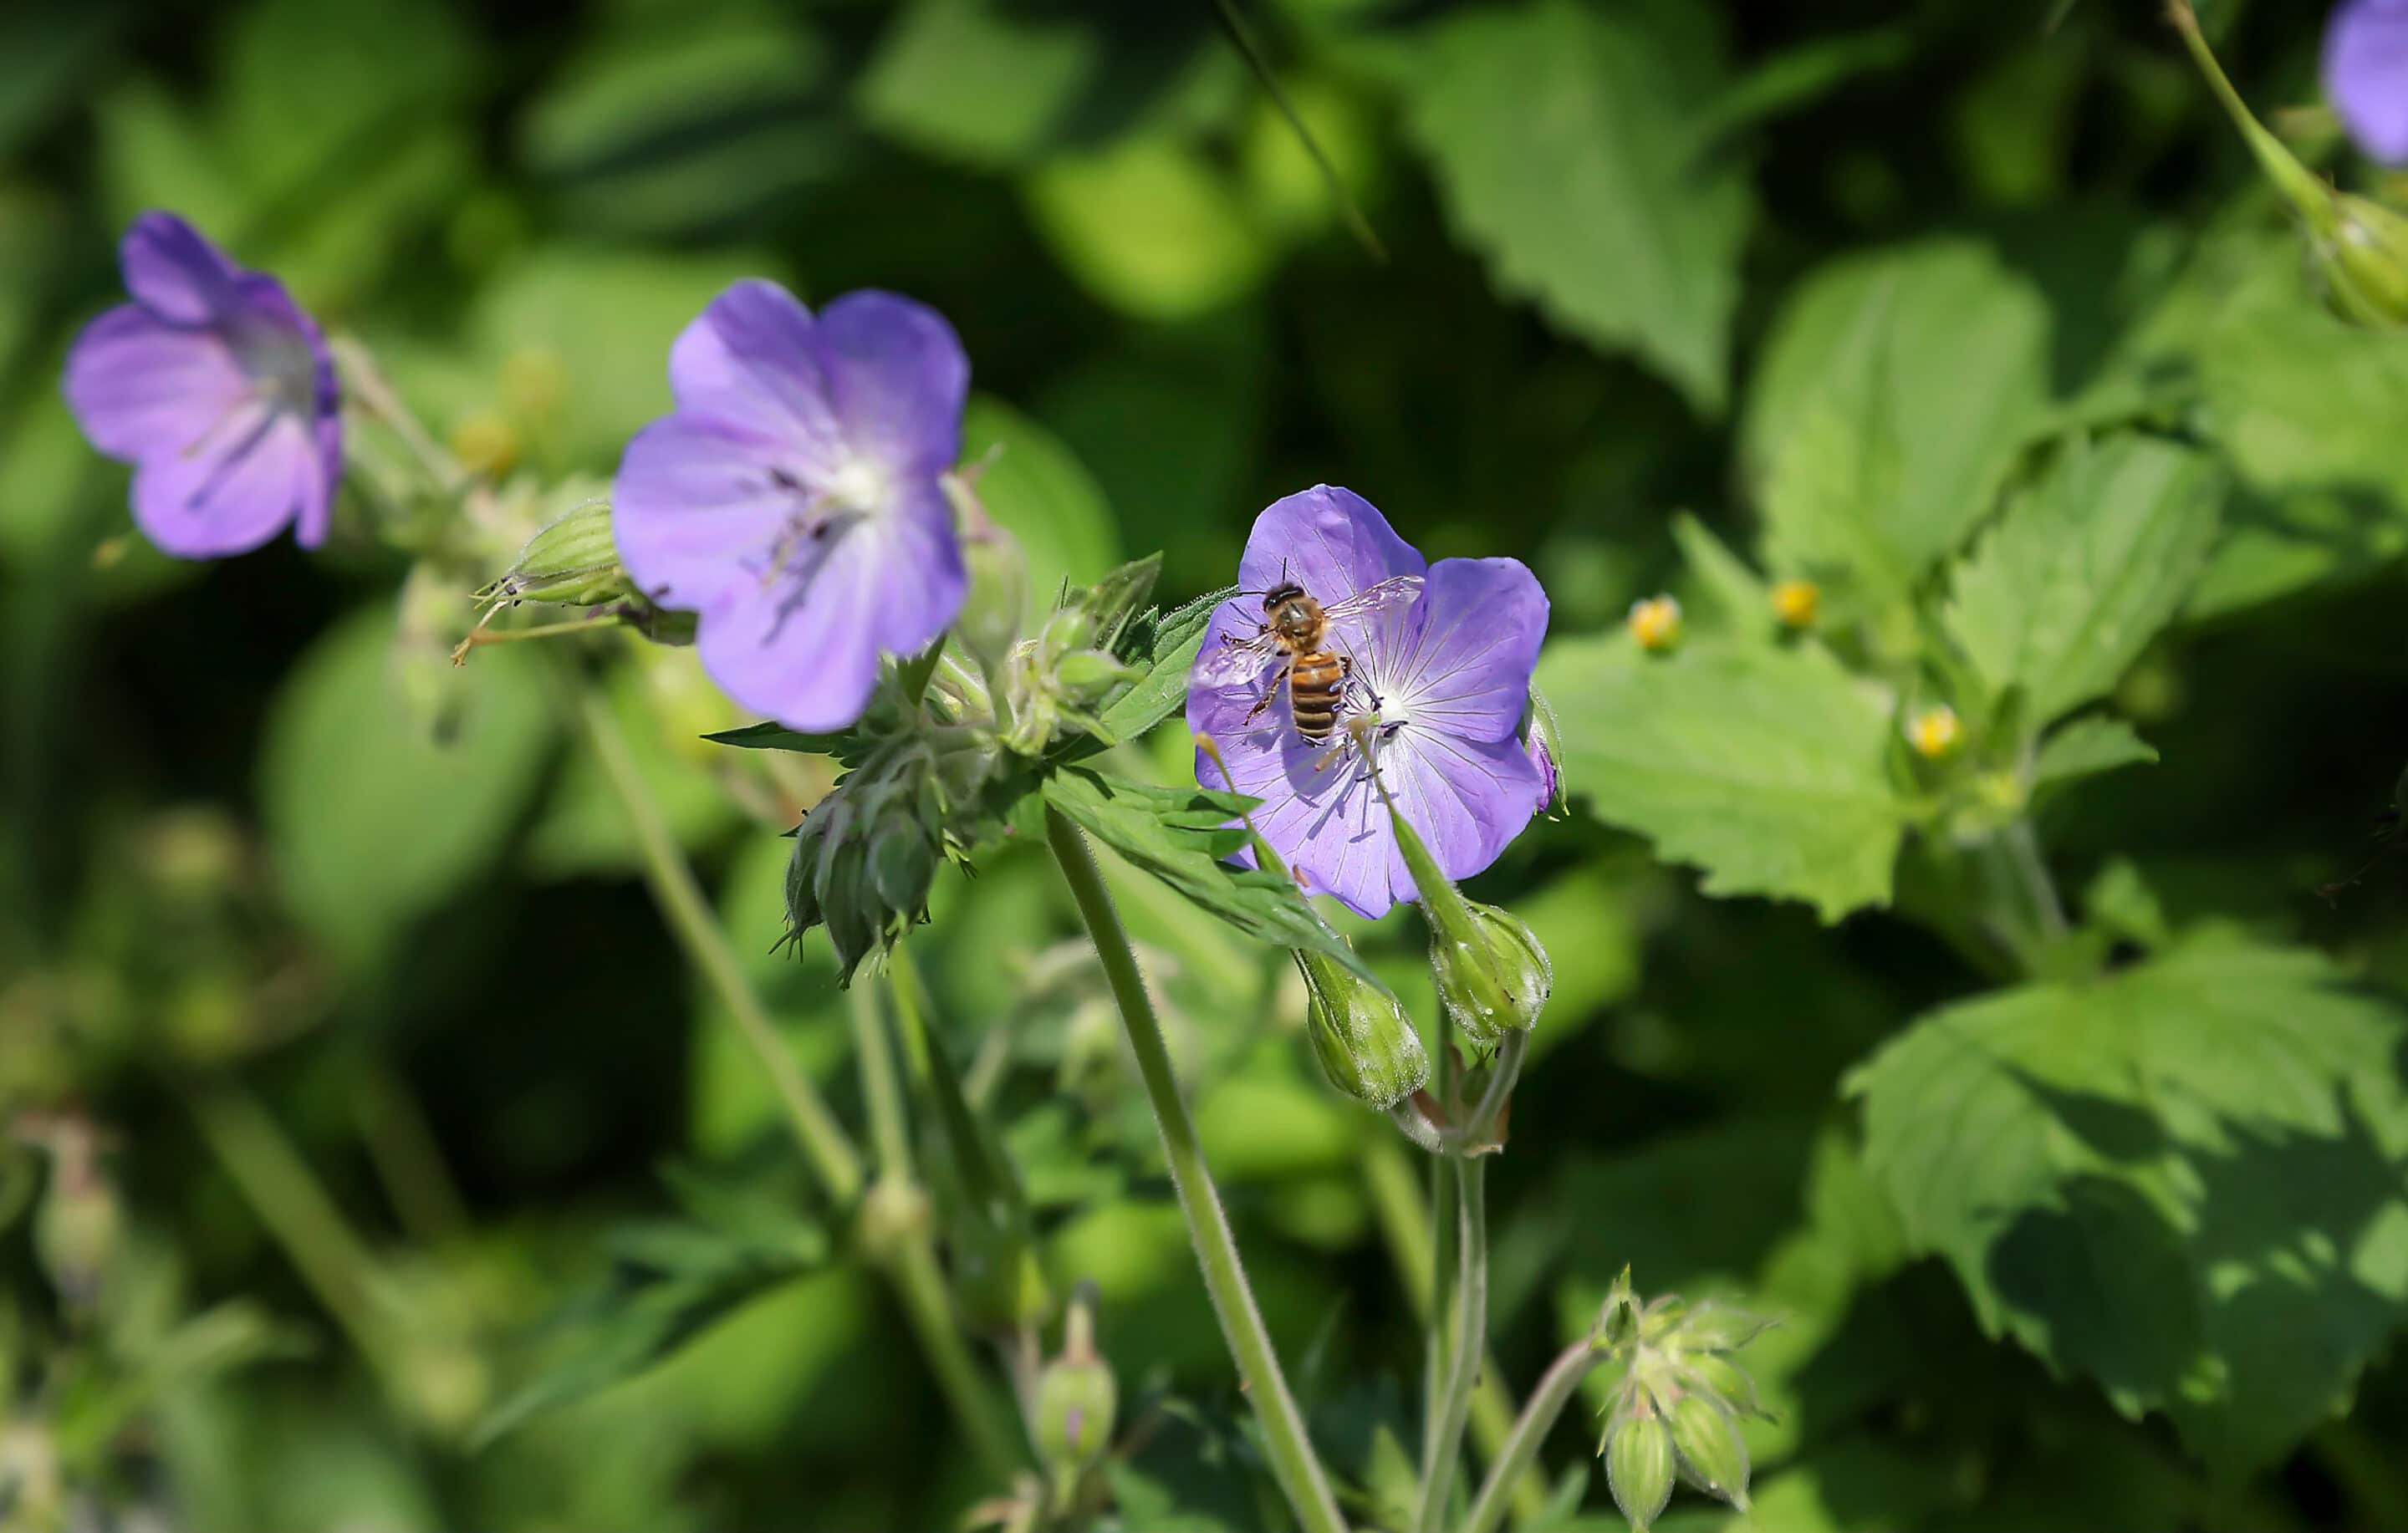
2084, 568
2087, 747
1895, 393
1762, 766
1566, 143
1180, 836
2184, 1179
667, 1284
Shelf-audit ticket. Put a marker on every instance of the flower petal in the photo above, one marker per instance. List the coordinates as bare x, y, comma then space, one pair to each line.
1463, 664
897, 378
2366, 75
248, 479
748, 364
172, 270
1467, 799
139, 386
698, 514
1329, 540
1325, 821
920, 580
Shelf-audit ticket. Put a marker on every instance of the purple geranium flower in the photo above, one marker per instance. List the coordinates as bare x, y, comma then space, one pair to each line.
219, 390
1445, 661
2366, 75
794, 498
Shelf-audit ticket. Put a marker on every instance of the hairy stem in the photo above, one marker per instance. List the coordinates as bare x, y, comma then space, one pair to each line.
1469, 1344
1530, 1431
1396, 1203
1299, 1472
696, 927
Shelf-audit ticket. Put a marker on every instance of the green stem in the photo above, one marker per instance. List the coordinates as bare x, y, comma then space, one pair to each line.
402, 1146
1299, 1472
890, 1129
1399, 1204
1446, 1238
2023, 847
1521, 1450
919, 1287
696, 927
276, 1182
1469, 1345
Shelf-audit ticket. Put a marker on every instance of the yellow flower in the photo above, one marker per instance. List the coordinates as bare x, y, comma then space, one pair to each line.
1793, 602
1656, 622
1935, 732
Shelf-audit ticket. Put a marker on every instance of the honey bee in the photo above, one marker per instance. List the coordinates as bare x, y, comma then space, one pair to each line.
1295, 631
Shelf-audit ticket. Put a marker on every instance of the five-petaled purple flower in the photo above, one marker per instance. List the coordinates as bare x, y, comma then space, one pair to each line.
794, 498
1446, 670
219, 390
2366, 75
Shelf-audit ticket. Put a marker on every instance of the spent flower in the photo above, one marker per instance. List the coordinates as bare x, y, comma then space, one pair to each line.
220, 392
794, 498
1438, 682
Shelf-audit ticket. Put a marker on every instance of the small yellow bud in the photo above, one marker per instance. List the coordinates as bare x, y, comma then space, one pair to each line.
1656, 622
485, 444
1795, 602
1935, 732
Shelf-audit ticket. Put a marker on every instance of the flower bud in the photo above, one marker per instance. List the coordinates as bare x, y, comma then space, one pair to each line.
1082, 676
1713, 1456
1542, 738
1638, 1450
78, 1228
893, 1213
989, 623
1935, 733
1076, 1397
1796, 603
1656, 623
1369, 1047
1492, 973
574, 561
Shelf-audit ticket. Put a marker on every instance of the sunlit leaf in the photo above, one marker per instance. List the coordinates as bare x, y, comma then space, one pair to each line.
2087, 746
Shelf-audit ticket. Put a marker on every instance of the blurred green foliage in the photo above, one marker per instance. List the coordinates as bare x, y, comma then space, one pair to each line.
2107, 1231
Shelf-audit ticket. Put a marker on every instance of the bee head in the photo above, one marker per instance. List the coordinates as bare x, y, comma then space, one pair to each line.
1278, 595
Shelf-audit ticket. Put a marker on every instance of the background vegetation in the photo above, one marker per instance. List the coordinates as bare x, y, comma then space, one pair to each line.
274, 877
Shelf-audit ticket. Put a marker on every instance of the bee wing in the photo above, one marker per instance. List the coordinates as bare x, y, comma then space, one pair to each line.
1234, 663
1393, 594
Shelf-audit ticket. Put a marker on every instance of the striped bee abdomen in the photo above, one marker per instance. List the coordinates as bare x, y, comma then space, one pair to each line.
1314, 682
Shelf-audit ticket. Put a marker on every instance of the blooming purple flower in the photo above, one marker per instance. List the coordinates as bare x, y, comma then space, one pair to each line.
794, 498
216, 386
2366, 75
1447, 670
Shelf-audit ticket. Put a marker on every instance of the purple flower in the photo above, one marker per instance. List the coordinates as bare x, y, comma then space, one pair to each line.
794, 499
2366, 75
219, 390
1444, 658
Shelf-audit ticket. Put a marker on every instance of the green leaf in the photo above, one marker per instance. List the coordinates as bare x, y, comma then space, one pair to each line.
1151, 225
1762, 766
1567, 146
2182, 1179
2087, 747
2086, 567
667, 1283
1740, 595
1163, 645
1037, 490
1895, 393
976, 81
386, 789
769, 735
1180, 836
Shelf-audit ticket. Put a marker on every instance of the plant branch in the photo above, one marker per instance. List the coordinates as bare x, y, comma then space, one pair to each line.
1443, 1447
1530, 1431
1299, 1472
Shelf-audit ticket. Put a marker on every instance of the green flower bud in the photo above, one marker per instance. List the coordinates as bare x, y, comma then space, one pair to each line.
893, 1213
1076, 1397
1638, 1450
1084, 675
2360, 247
1492, 973
1713, 1456
76, 1235
989, 623
1369, 1047
573, 562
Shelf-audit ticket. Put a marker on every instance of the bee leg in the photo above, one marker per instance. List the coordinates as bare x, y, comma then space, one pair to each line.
1270, 694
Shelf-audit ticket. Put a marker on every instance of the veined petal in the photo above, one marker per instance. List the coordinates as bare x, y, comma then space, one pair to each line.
919, 577
1328, 540
2366, 75
245, 481
804, 653
1325, 821
140, 385
1467, 799
171, 270
699, 515
749, 365
898, 380
1463, 663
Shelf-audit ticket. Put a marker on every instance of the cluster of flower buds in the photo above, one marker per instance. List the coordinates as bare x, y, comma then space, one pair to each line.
1054, 681
1677, 1401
